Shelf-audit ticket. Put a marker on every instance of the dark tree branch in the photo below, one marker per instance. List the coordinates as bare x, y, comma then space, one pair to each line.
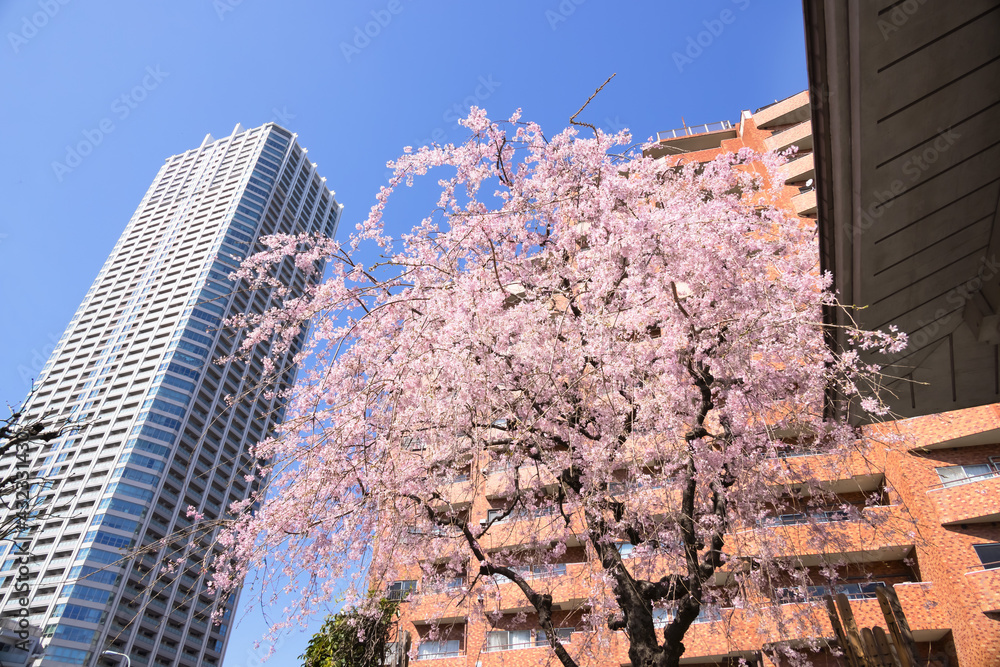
574, 121
542, 602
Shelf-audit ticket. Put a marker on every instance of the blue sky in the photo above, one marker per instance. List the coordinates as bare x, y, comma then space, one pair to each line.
140, 81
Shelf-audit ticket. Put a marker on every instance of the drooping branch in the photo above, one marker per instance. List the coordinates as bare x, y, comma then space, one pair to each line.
542, 602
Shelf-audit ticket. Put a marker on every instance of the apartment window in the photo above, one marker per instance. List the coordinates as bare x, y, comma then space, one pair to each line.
625, 549
508, 640
663, 616
989, 555
562, 634
858, 591
537, 571
413, 444
398, 590
956, 475
430, 650
824, 516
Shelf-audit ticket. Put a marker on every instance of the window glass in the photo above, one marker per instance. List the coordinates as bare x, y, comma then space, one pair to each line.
563, 634
955, 475
989, 555
398, 590
449, 648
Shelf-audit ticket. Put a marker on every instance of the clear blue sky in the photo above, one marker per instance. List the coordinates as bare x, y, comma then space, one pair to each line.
189, 68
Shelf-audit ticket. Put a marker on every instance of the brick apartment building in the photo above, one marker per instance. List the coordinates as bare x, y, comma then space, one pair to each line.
942, 482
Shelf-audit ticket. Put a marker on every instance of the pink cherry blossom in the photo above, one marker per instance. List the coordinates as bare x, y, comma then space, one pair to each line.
619, 346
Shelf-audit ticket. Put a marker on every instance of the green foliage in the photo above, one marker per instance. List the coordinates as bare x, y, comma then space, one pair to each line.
337, 643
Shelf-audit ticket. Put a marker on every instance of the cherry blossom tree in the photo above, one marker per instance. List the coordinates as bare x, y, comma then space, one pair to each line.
620, 349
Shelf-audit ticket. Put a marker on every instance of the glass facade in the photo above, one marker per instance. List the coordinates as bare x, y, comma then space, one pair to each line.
136, 369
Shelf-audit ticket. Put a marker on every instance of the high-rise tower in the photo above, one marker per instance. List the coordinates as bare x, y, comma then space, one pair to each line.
135, 368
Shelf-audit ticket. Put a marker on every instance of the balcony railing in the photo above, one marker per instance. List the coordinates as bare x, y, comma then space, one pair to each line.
852, 591
994, 472
535, 572
439, 655
512, 646
692, 130
401, 589
767, 106
795, 453
662, 617
435, 531
988, 565
826, 516
520, 514
449, 584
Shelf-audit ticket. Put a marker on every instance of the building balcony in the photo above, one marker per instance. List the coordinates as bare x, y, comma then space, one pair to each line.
444, 606
838, 472
804, 203
545, 527
500, 482
794, 109
567, 584
971, 427
517, 654
529, 648
986, 585
692, 138
799, 169
797, 135
974, 500
882, 534
733, 631
459, 493
442, 658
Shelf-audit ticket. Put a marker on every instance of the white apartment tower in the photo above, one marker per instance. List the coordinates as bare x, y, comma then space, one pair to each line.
135, 367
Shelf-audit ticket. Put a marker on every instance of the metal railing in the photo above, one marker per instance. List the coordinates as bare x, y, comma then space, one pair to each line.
982, 567
852, 591
767, 106
512, 646
965, 480
440, 655
662, 617
397, 594
693, 130
535, 572
795, 519
795, 453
